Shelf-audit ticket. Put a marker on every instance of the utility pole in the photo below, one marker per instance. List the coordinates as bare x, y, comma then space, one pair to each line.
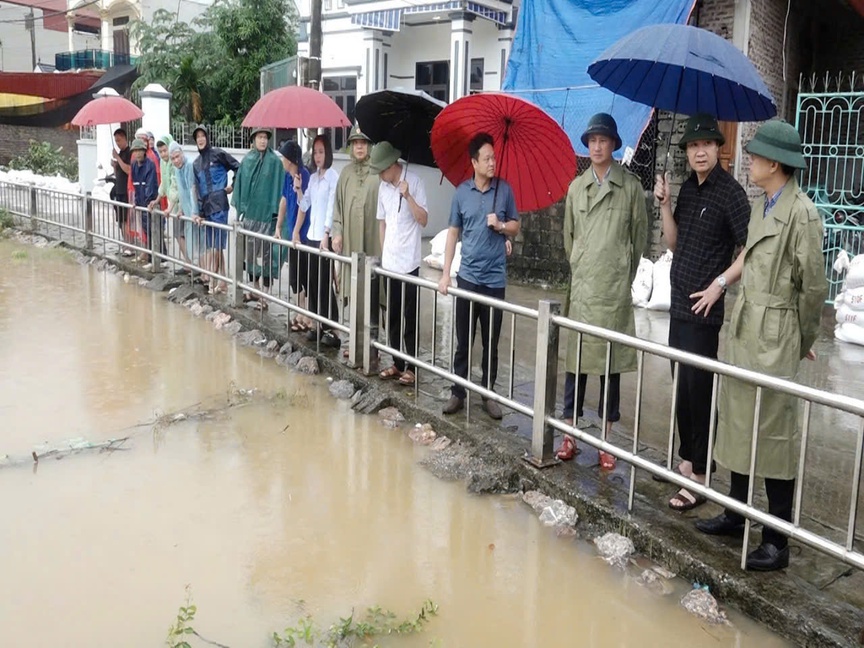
30, 23
314, 74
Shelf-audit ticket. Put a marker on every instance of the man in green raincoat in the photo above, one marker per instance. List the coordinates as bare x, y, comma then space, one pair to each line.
773, 327
355, 213
605, 229
256, 196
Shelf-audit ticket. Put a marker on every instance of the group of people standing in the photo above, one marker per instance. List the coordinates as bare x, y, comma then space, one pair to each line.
774, 249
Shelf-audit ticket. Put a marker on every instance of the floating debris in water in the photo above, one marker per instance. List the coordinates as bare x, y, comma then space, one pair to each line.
552, 512
700, 603
614, 548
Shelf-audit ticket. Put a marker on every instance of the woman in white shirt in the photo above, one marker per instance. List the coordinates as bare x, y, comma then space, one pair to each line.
317, 205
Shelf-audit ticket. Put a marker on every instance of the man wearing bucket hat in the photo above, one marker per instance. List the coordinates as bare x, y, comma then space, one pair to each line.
355, 227
256, 196
145, 187
773, 327
709, 223
402, 215
605, 229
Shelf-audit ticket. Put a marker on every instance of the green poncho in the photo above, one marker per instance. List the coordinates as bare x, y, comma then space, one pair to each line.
258, 187
168, 172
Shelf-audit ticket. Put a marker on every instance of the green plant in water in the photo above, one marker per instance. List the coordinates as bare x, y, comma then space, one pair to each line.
6, 220
44, 159
375, 623
182, 628
19, 254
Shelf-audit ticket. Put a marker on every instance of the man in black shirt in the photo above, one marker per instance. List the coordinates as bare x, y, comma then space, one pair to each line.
121, 159
709, 223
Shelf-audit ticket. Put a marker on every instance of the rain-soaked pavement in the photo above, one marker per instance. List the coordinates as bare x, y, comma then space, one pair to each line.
282, 505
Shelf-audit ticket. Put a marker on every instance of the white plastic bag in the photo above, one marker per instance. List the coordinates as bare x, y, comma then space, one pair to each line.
855, 275
846, 315
640, 291
439, 242
661, 293
853, 298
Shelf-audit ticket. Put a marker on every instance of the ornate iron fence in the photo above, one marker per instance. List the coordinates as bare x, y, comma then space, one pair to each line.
829, 119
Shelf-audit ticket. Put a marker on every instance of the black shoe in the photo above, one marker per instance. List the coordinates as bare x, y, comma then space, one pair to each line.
454, 405
720, 526
768, 558
493, 409
330, 340
312, 335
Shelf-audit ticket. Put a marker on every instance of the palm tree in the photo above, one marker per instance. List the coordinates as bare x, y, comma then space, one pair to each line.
184, 85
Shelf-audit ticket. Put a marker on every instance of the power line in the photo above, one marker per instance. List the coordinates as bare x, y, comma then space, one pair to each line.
49, 15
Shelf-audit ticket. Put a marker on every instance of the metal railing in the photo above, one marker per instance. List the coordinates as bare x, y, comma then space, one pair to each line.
93, 224
223, 136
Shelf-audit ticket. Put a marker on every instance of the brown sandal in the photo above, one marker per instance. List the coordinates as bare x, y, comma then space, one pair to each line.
389, 373
407, 378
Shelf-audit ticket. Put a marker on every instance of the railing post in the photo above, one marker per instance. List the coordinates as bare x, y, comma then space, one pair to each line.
357, 310
370, 330
34, 225
155, 239
237, 255
545, 385
88, 220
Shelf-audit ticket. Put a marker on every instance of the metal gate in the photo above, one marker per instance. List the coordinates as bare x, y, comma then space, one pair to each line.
829, 119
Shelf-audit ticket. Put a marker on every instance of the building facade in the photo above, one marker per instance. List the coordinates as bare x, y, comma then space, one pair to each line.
447, 49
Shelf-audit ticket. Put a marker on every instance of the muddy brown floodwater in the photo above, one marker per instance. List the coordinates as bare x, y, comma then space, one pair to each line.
274, 509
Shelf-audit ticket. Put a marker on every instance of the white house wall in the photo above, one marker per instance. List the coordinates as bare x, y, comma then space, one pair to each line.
16, 40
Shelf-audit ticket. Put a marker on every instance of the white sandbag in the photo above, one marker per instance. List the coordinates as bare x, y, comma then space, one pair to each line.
439, 242
855, 275
845, 315
640, 291
853, 298
851, 333
434, 261
661, 292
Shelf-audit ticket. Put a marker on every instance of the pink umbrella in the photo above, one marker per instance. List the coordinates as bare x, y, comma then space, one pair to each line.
107, 110
296, 107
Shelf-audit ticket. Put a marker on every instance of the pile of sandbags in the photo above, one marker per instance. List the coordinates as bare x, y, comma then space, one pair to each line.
55, 183
435, 259
849, 303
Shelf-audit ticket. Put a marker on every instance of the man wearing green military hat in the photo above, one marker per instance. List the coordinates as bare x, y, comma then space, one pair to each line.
708, 224
355, 226
773, 327
605, 229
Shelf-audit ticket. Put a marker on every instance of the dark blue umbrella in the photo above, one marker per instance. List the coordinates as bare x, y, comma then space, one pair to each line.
685, 70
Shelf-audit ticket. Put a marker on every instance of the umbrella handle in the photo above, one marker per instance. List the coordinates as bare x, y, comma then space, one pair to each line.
400, 195
498, 175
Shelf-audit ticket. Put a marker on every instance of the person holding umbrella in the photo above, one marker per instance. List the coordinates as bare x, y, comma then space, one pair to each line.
773, 327
402, 215
605, 229
257, 194
708, 224
483, 213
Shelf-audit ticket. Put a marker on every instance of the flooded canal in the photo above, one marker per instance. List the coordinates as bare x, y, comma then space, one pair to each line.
280, 507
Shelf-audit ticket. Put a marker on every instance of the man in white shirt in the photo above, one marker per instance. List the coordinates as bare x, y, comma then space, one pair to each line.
402, 215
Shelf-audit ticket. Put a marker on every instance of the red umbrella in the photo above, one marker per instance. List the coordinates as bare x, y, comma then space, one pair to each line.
110, 109
533, 153
296, 107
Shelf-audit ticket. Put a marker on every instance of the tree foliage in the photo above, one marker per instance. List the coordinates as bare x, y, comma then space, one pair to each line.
212, 65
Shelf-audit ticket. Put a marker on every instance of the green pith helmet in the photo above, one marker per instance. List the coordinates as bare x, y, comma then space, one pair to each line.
778, 140
383, 156
701, 127
138, 145
602, 124
357, 134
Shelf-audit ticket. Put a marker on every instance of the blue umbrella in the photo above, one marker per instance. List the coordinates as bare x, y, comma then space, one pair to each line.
685, 70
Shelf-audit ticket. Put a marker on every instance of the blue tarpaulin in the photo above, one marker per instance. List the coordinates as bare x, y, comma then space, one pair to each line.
555, 42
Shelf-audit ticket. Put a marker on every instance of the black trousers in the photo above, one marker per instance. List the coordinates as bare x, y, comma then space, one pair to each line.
466, 328
402, 318
781, 494
693, 411
319, 285
613, 410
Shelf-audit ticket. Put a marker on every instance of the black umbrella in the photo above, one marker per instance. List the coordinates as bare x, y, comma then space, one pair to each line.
402, 117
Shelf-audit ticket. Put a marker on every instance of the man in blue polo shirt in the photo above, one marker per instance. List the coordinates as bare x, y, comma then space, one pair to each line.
484, 213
